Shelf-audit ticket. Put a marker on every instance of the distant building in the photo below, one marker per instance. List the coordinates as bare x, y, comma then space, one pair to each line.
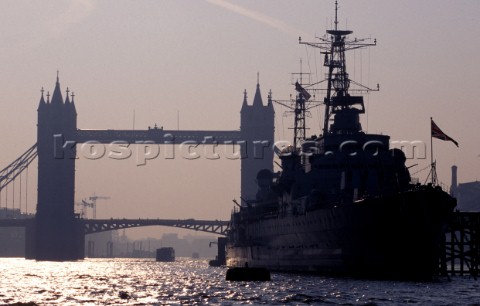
12, 239
100, 244
467, 194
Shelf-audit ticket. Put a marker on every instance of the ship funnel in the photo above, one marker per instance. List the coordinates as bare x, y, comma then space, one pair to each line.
453, 188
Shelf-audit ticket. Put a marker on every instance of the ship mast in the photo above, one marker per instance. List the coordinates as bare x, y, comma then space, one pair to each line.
300, 107
338, 100
299, 128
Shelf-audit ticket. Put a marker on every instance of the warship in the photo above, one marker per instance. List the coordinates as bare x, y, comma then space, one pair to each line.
344, 202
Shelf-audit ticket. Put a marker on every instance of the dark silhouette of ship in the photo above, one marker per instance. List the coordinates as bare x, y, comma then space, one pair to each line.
343, 202
165, 254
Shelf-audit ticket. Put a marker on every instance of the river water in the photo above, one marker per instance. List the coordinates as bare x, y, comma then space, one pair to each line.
193, 282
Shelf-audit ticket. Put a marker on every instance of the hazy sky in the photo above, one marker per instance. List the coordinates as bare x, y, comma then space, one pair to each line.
195, 58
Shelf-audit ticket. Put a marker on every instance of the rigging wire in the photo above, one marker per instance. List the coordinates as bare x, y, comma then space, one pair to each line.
319, 113
316, 81
361, 65
368, 80
6, 199
309, 70
423, 169
318, 116
354, 64
13, 197
20, 192
26, 192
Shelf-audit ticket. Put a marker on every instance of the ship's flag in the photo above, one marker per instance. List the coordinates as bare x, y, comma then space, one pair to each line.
302, 90
437, 133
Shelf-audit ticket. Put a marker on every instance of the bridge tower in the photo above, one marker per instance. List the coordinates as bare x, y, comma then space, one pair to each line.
55, 233
257, 130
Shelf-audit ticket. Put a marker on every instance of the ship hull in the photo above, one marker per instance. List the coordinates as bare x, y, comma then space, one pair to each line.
398, 236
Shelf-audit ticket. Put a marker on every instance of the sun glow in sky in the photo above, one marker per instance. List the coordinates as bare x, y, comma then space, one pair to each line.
188, 62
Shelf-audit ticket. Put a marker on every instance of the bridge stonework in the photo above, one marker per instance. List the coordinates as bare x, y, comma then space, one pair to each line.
55, 233
257, 128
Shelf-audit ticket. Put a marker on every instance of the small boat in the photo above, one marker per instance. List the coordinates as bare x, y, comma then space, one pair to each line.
165, 254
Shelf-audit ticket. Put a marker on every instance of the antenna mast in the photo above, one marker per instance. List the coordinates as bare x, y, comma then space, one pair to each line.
338, 100
300, 106
299, 128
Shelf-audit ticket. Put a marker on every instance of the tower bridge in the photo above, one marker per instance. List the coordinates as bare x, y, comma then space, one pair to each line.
55, 233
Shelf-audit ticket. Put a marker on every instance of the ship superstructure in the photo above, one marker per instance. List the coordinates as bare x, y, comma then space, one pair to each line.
343, 202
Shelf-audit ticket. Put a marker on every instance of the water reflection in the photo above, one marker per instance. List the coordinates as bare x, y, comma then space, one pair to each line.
146, 282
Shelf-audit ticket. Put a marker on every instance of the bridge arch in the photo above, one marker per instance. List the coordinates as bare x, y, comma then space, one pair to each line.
102, 225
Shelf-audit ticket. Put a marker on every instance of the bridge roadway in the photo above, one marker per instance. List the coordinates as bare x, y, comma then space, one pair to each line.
158, 136
101, 225
209, 226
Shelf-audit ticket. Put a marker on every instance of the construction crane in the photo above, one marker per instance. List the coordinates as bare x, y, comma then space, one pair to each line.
93, 200
92, 203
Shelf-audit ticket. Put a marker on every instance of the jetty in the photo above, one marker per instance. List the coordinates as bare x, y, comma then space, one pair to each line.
461, 254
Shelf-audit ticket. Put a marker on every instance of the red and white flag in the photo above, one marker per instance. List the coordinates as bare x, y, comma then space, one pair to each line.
437, 133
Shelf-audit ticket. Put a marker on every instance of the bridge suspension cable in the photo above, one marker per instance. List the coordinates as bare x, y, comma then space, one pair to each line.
10, 172
8, 175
